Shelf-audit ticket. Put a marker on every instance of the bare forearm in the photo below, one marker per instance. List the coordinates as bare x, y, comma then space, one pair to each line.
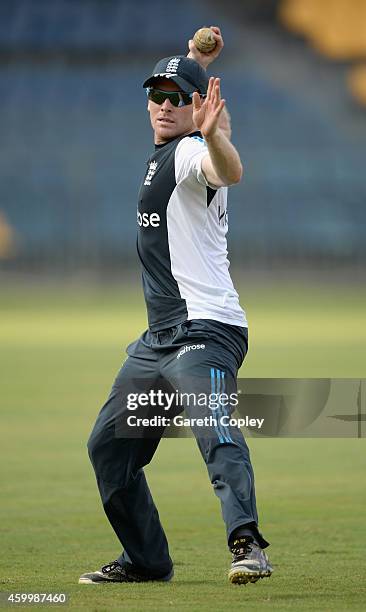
224, 158
204, 59
225, 123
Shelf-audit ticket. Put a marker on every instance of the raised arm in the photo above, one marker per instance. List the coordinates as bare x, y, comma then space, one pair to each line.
222, 166
205, 59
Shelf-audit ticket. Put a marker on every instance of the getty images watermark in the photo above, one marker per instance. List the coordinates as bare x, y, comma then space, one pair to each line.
263, 407
221, 406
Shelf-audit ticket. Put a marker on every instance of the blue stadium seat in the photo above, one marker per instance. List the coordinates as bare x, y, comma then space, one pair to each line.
75, 139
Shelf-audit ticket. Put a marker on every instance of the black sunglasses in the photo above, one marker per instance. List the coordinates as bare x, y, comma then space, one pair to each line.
177, 98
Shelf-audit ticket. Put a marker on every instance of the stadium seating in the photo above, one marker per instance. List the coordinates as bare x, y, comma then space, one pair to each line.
115, 25
357, 83
336, 28
76, 135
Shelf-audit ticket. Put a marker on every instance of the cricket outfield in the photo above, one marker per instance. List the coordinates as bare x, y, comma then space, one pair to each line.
60, 349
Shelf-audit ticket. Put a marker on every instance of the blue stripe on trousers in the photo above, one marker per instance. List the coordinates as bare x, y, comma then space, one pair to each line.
219, 434
226, 429
224, 435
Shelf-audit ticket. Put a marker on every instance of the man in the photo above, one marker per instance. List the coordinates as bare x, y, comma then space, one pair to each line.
197, 336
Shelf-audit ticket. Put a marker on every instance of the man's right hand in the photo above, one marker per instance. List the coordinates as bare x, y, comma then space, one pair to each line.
207, 58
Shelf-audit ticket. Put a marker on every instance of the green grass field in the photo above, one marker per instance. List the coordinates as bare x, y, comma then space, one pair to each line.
59, 351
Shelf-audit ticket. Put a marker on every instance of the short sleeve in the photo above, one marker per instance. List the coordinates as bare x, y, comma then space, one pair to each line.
188, 159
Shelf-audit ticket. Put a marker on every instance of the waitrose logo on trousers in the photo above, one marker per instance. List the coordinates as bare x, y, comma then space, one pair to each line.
191, 347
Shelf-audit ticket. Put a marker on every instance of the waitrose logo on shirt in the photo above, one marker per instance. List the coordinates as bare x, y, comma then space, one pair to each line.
148, 219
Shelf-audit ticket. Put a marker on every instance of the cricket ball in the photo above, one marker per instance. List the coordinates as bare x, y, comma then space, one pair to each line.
204, 40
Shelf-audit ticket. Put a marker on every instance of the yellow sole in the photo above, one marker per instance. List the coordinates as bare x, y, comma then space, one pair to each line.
241, 577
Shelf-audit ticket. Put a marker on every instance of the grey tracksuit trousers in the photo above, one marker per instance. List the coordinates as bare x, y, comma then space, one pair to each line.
168, 359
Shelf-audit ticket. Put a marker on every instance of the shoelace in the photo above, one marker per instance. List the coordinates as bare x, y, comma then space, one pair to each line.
112, 565
241, 548
131, 576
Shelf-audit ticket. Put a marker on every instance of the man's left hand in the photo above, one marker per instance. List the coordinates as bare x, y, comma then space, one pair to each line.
206, 113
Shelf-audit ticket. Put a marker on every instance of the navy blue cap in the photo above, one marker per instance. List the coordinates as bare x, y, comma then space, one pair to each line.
185, 72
